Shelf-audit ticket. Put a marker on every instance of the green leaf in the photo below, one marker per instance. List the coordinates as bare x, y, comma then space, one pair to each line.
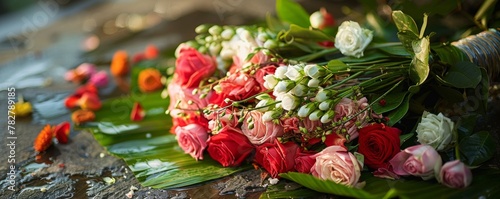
289, 190
297, 32
403, 138
336, 65
463, 75
407, 38
483, 185
485, 88
396, 50
148, 148
397, 114
404, 22
466, 124
419, 70
451, 95
292, 12
392, 101
450, 54
274, 24
477, 148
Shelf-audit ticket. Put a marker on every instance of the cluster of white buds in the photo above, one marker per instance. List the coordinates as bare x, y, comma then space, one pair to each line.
297, 87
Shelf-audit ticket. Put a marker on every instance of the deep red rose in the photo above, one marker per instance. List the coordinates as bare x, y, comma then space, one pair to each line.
304, 162
230, 147
259, 75
191, 67
276, 157
239, 86
378, 143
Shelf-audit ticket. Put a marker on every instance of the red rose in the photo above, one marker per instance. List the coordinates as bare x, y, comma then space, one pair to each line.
191, 117
378, 143
239, 86
276, 157
191, 67
259, 75
304, 162
335, 139
230, 147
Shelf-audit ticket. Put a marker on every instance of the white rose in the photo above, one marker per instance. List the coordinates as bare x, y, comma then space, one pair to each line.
294, 72
351, 39
435, 130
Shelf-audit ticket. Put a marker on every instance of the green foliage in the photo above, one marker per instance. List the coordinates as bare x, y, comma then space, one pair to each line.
292, 12
392, 101
147, 146
477, 148
398, 113
462, 75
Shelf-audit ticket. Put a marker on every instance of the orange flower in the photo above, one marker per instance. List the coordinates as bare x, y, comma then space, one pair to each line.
137, 113
61, 132
149, 80
119, 64
82, 116
89, 101
44, 139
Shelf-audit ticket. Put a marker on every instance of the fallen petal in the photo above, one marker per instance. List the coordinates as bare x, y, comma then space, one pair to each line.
61, 132
81, 116
90, 101
137, 113
44, 139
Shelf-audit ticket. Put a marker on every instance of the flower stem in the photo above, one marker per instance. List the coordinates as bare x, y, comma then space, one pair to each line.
313, 56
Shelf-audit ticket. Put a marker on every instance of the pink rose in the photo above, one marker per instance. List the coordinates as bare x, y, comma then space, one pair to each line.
191, 67
347, 108
229, 147
276, 157
419, 160
335, 163
261, 132
259, 75
304, 162
455, 174
182, 99
239, 86
192, 138
293, 124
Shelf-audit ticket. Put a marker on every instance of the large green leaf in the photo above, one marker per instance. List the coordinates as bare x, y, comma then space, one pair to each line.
398, 113
292, 12
477, 148
305, 33
420, 69
392, 101
463, 75
147, 147
481, 187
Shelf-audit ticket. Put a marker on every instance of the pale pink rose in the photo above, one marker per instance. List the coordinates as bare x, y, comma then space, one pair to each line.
455, 174
335, 163
293, 124
239, 86
183, 100
192, 138
262, 132
347, 108
419, 160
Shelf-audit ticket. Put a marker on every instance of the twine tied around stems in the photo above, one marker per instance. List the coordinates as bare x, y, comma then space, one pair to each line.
483, 49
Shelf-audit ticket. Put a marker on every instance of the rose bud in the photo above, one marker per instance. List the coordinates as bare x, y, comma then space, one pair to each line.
321, 19
455, 174
419, 160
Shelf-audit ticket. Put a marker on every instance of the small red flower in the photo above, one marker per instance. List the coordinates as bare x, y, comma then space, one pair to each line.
382, 102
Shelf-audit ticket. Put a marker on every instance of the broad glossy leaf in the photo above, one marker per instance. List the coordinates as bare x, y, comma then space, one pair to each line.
407, 38
449, 94
396, 50
392, 101
292, 12
463, 75
466, 124
398, 113
404, 22
148, 148
450, 54
419, 70
477, 148
289, 190
336, 65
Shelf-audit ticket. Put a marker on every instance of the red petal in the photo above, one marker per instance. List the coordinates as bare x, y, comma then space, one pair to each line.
61, 132
137, 113
90, 101
71, 101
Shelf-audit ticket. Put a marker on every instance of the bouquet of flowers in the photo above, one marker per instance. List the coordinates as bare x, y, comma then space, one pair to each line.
302, 95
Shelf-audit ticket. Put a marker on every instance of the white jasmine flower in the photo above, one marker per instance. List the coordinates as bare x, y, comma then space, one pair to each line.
313, 83
294, 72
289, 102
316, 115
284, 86
313, 71
227, 34
280, 72
270, 81
328, 116
306, 109
322, 95
352, 40
299, 90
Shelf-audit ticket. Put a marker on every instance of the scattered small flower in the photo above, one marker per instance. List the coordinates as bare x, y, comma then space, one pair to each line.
119, 64
44, 139
81, 116
61, 132
149, 80
137, 113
